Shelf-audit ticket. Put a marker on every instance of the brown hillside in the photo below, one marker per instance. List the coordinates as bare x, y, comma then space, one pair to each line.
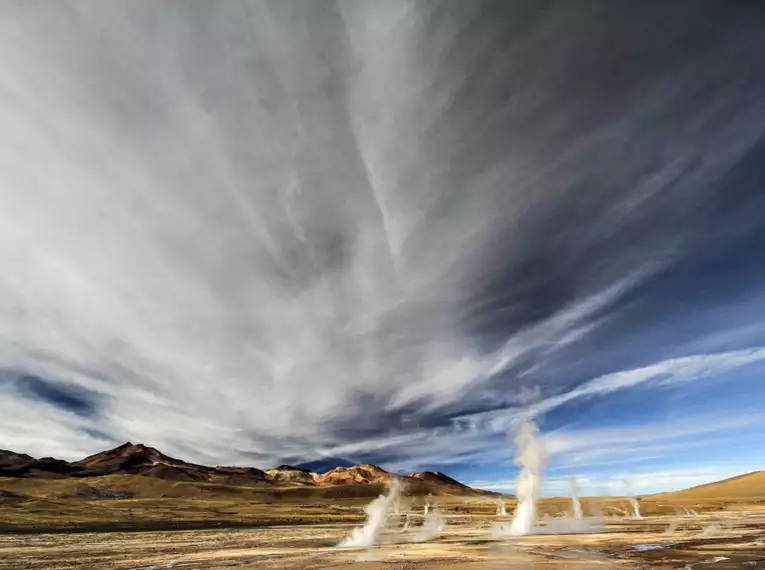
138, 459
22, 465
11, 460
437, 478
749, 485
136, 470
291, 474
238, 475
364, 474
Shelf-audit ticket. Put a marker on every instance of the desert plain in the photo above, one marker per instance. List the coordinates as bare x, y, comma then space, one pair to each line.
135, 508
673, 533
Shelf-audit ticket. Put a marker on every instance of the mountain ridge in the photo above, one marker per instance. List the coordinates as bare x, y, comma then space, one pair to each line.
143, 460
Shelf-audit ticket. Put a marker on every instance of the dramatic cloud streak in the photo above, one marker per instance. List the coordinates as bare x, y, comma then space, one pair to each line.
256, 231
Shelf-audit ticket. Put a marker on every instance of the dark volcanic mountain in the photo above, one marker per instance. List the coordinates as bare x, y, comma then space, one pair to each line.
23, 465
11, 460
138, 459
437, 478
141, 460
130, 459
239, 475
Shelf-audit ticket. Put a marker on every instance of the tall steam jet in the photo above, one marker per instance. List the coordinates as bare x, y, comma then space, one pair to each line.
531, 456
377, 512
501, 509
576, 505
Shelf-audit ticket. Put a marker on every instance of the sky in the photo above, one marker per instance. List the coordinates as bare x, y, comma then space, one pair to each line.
252, 233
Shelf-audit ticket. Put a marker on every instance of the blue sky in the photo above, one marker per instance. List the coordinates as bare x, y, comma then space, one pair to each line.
655, 438
259, 233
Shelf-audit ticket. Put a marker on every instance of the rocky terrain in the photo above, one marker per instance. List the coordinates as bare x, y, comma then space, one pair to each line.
137, 487
139, 459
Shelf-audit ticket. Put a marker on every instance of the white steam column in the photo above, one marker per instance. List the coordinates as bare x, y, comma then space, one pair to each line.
636, 508
531, 457
575, 503
377, 512
501, 509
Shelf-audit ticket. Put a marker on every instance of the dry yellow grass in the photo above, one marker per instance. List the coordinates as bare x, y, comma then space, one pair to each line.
750, 486
84, 504
466, 543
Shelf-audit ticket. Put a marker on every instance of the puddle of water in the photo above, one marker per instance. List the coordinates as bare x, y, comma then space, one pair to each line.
714, 560
646, 547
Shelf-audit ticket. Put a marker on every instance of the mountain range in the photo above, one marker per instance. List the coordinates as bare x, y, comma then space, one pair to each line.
139, 459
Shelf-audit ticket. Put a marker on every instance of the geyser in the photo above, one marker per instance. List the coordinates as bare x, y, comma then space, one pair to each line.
501, 509
635, 508
531, 457
576, 505
634, 503
432, 525
377, 512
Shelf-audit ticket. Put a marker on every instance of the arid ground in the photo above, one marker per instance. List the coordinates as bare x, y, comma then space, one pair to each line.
724, 535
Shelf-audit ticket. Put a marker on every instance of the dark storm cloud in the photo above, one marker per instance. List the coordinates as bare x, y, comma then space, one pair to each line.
344, 229
646, 108
69, 398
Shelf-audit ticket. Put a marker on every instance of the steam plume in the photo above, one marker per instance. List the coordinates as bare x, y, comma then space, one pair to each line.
531, 456
501, 509
635, 508
634, 503
377, 512
575, 504
432, 525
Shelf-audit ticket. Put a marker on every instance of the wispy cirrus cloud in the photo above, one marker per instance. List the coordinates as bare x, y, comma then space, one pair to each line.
283, 230
670, 371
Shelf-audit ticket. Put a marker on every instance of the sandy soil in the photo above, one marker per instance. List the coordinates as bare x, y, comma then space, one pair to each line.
725, 540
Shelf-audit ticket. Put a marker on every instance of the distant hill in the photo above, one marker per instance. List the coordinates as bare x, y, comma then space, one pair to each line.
137, 470
748, 485
291, 474
130, 459
364, 474
22, 465
438, 478
138, 459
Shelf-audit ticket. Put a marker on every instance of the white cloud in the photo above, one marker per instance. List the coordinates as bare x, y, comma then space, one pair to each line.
237, 261
607, 440
675, 370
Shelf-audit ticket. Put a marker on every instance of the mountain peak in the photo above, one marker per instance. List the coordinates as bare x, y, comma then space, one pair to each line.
366, 473
129, 447
129, 458
291, 474
139, 459
436, 477
11, 459
14, 464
